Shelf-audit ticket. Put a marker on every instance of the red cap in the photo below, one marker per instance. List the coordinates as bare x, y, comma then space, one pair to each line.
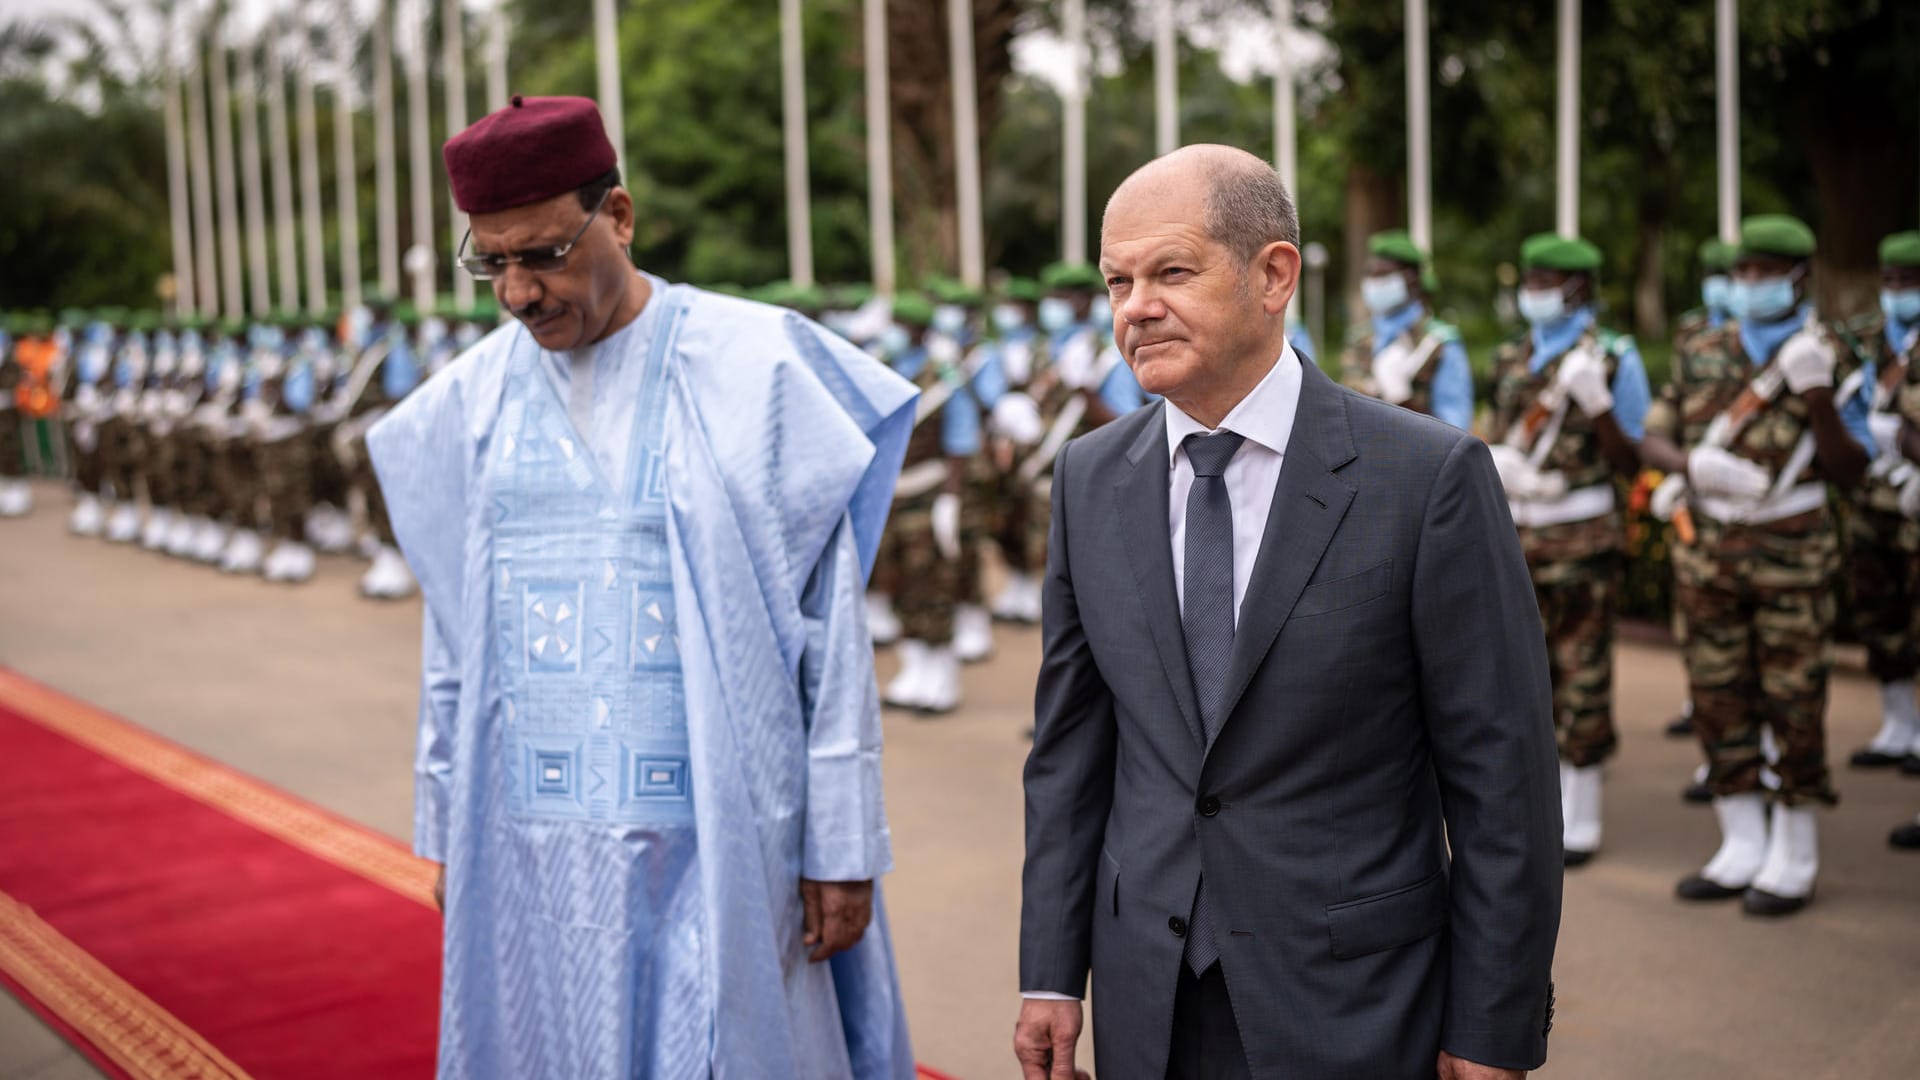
530, 151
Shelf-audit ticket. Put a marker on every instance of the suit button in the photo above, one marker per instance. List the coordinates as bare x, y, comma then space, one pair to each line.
1178, 925
1209, 806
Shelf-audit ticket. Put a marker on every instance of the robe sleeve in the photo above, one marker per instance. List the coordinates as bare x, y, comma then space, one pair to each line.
846, 836
433, 758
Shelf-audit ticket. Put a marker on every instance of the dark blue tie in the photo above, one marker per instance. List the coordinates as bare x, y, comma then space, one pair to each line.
1206, 620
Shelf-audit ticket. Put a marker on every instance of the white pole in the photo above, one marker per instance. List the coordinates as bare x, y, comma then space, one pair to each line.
201, 171
1726, 38
793, 123
420, 258
497, 57
606, 48
1419, 130
386, 198
1567, 161
879, 149
1073, 138
966, 142
259, 286
179, 217
454, 61
346, 174
1166, 80
232, 303
306, 129
1286, 160
286, 244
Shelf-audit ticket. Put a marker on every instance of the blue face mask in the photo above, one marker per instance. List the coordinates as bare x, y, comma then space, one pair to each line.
1901, 305
1056, 314
1542, 306
1008, 317
1384, 294
894, 340
1768, 300
950, 319
1715, 291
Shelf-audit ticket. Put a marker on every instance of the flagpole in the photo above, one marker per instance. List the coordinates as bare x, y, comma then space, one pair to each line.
1073, 137
420, 257
286, 241
497, 25
606, 48
966, 140
232, 304
1166, 80
793, 124
1567, 157
306, 130
454, 61
879, 148
1286, 143
201, 171
1726, 40
1419, 130
259, 286
386, 198
346, 174
179, 217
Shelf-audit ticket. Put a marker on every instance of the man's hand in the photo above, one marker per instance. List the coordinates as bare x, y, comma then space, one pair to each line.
1044, 1039
1583, 376
1806, 363
1453, 1068
1714, 471
440, 887
836, 914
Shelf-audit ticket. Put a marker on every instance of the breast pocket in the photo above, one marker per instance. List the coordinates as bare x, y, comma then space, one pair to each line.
1388, 920
1345, 592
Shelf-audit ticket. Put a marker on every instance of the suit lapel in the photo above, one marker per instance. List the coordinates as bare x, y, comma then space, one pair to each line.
1309, 502
1141, 496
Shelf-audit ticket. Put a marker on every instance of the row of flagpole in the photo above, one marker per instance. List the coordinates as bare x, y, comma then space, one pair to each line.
206, 210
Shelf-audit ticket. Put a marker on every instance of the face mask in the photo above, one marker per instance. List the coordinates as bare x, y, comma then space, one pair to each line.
1542, 306
1901, 305
1056, 314
1715, 291
1101, 313
949, 318
1761, 301
1007, 318
1384, 294
942, 349
894, 340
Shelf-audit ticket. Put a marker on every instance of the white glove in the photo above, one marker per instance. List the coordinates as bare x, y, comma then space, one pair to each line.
1016, 417
1393, 371
1524, 480
1666, 498
942, 349
1886, 435
1910, 497
1718, 472
1583, 377
946, 524
1806, 363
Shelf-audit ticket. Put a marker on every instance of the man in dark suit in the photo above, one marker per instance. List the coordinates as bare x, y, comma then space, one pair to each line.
1292, 797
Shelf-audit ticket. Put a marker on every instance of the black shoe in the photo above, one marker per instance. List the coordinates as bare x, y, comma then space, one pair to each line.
1699, 888
1696, 792
1910, 766
1761, 902
1570, 857
1906, 836
1870, 758
1680, 727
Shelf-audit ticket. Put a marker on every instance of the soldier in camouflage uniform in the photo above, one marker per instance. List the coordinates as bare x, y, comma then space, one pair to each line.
120, 431
281, 442
16, 499
1570, 400
1757, 418
1907, 403
385, 371
1016, 428
1882, 544
86, 349
1403, 355
958, 330
182, 448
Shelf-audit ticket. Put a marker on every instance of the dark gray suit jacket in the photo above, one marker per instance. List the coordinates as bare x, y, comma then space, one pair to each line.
1387, 697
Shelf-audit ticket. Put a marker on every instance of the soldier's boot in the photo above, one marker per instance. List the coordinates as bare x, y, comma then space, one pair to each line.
1784, 884
1018, 600
1681, 726
243, 553
940, 693
972, 633
1697, 790
153, 536
88, 516
904, 689
209, 540
1906, 836
16, 498
329, 529
123, 525
1899, 728
882, 624
388, 578
290, 561
1579, 813
1743, 850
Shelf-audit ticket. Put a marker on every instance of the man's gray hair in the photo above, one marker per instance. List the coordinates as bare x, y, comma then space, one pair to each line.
1248, 208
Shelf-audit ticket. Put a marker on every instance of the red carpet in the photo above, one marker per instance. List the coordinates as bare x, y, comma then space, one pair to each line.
175, 919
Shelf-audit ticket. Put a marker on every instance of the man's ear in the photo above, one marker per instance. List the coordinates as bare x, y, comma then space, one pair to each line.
1278, 265
619, 210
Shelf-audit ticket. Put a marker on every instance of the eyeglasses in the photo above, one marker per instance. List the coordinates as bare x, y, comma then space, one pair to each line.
545, 260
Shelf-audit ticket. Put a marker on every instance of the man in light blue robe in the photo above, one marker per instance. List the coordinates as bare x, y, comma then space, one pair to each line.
642, 517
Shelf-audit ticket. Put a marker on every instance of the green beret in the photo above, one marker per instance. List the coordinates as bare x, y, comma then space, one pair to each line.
484, 310
1716, 255
1900, 249
73, 318
1551, 251
406, 314
913, 309
1065, 276
1397, 245
233, 328
1023, 289
1776, 234
845, 297
946, 290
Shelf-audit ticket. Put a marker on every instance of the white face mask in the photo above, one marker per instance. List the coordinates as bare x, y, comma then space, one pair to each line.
1542, 306
1008, 317
1384, 293
949, 318
942, 349
1056, 314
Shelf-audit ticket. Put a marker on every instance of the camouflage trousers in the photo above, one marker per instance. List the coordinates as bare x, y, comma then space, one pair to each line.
193, 490
331, 478
1760, 616
368, 482
284, 469
13, 452
1576, 598
160, 468
1883, 570
119, 455
927, 585
230, 465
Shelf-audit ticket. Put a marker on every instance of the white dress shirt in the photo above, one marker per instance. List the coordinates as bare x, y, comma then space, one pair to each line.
1265, 419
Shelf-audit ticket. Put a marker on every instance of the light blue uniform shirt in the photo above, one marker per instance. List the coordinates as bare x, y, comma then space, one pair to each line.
1452, 379
1631, 394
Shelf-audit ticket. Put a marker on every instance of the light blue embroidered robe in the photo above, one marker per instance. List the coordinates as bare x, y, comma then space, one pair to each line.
768, 475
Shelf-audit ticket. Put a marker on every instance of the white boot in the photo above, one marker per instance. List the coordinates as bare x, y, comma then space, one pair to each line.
123, 525
88, 517
16, 498
1743, 848
243, 553
209, 540
1899, 727
904, 689
153, 537
972, 633
290, 562
940, 693
882, 624
388, 578
1011, 602
329, 529
1030, 601
1785, 881
1579, 812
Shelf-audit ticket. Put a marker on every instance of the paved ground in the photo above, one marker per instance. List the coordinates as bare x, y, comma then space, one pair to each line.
312, 688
